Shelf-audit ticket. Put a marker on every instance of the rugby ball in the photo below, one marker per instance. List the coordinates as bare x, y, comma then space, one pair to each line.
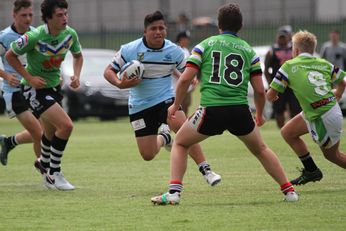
133, 69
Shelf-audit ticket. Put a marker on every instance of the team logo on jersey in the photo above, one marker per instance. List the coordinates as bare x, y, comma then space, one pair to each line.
168, 57
211, 43
140, 56
22, 42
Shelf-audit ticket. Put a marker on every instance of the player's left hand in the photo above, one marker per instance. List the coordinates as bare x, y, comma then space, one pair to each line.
75, 83
171, 111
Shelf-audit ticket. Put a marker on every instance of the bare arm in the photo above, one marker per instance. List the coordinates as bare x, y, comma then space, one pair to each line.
339, 90
34, 81
77, 68
182, 86
259, 98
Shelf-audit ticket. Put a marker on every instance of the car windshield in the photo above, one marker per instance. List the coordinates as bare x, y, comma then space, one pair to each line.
93, 65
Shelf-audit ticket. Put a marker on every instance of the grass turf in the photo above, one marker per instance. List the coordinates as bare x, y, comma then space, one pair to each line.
114, 186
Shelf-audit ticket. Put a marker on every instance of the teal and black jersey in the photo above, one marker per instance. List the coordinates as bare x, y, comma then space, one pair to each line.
226, 64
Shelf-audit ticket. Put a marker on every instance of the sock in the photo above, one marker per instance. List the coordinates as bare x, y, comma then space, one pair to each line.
288, 187
11, 142
45, 152
204, 167
308, 162
166, 138
175, 186
57, 148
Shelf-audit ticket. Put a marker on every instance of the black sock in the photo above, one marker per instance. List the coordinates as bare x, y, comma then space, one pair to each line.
308, 162
204, 167
10, 142
56, 150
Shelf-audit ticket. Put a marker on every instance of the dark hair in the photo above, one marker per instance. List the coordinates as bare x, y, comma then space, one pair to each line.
230, 18
18, 4
183, 34
150, 18
48, 7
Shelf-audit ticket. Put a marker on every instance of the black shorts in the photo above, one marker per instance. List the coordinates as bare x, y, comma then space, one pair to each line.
286, 99
210, 121
148, 121
15, 103
40, 100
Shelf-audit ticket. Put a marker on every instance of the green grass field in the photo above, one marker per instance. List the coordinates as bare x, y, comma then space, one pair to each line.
114, 186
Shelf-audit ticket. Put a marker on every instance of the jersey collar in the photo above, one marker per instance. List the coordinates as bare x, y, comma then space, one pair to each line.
229, 32
305, 54
146, 44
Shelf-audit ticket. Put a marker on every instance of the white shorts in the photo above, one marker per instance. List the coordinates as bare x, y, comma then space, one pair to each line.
326, 131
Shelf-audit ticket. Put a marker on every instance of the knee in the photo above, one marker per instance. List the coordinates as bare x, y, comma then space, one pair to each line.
147, 156
67, 127
285, 134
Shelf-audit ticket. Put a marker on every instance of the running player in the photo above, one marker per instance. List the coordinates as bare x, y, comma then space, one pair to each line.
46, 48
15, 103
227, 64
151, 96
312, 80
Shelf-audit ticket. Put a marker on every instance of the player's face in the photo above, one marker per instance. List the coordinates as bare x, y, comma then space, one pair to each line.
59, 19
155, 33
23, 19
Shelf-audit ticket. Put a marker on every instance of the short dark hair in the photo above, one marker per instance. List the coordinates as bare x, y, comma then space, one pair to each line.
183, 34
48, 7
230, 18
150, 18
18, 4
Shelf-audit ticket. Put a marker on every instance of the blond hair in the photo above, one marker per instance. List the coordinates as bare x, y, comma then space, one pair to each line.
305, 41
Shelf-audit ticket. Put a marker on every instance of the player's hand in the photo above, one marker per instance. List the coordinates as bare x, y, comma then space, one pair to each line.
75, 83
37, 82
171, 111
12, 80
260, 120
128, 83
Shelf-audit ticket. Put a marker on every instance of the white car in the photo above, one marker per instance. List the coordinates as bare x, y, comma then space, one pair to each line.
95, 96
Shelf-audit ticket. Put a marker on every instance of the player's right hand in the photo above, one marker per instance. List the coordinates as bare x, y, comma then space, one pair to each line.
127, 83
12, 80
37, 82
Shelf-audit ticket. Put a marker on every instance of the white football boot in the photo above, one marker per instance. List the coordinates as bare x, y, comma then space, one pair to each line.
166, 199
60, 182
291, 197
212, 178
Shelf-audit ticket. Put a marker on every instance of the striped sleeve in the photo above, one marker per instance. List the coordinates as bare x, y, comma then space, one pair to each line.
280, 81
196, 55
337, 75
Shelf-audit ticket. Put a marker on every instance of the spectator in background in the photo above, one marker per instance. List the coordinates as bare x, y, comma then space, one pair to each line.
182, 22
334, 50
276, 56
